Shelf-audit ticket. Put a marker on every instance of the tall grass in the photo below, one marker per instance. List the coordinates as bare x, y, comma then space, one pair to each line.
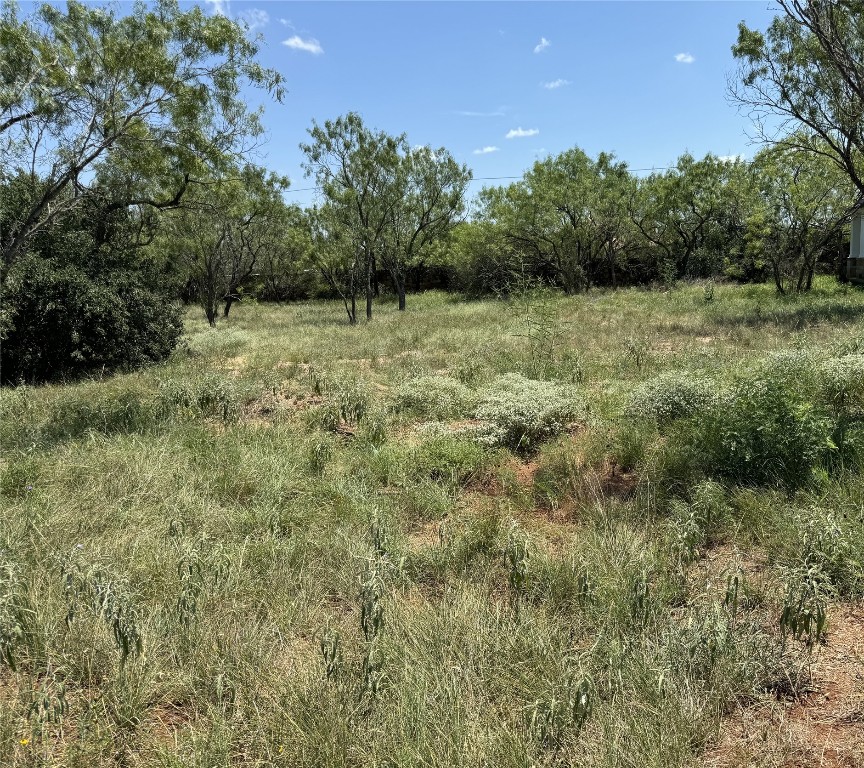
295, 543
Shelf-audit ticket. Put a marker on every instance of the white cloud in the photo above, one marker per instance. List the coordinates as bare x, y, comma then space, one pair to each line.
285, 23
255, 18
485, 151
220, 7
299, 44
556, 83
521, 133
542, 45
684, 58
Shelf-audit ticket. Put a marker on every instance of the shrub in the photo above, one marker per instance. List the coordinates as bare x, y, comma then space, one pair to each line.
58, 322
841, 381
671, 396
521, 413
85, 298
434, 397
796, 368
210, 396
454, 460
764, 430
830, 548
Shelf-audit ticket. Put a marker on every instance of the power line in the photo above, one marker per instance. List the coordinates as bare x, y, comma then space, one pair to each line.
495, 178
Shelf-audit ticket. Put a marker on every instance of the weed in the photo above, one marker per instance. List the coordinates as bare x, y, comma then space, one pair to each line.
521, 413
637, 351
108, 598
330, 645
434, 397
516, 562
671, 396
16, 616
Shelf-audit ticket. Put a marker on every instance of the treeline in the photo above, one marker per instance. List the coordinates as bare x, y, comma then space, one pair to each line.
126, 189
395, 219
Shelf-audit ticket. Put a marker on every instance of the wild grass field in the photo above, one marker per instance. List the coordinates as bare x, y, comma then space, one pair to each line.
620, 529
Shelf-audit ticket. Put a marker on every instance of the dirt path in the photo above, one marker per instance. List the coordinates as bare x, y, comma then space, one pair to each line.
824, 728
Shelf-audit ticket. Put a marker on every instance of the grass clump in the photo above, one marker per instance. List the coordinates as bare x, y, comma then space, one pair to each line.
210, 396
842, 381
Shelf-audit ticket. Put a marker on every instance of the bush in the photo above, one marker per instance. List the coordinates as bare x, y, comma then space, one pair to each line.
841, 381
83, 300
521, 413
434, 397
763, 431
830, 548
671, 396
58, 323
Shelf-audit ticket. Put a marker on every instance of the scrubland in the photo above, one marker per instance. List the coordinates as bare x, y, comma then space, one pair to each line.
619, 529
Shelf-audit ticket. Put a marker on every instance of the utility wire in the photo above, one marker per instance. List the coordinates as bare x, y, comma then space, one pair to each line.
492, 178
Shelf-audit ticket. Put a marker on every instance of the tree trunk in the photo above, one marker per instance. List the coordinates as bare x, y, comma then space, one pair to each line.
400, 289
612, 267
229, 300
778, 278
369, 264
351, 310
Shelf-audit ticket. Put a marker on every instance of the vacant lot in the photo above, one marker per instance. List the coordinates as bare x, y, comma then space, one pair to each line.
622, 529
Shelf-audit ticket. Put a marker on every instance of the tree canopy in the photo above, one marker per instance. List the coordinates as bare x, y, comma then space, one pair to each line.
803, 80
129, 107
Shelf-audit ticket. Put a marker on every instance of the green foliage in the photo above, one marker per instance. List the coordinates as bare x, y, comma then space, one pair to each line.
842, 381
549, 720
447, 459
108, 598
805, 605
164, 86
63, 318
352, 398
210, 396
803, 71
671, 396
306, 595
386, 204
827, 547
762, 431
434, 397
516, 556
113, 412
521, 413
697, 522
16, 615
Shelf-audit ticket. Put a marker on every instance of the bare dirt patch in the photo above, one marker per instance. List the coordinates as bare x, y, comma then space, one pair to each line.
524, 473
724, 561
616, 483
425, 536
268, 406
825, 727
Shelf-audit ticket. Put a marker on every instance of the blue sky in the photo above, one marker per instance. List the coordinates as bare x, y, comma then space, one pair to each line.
503, 83
500, 84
